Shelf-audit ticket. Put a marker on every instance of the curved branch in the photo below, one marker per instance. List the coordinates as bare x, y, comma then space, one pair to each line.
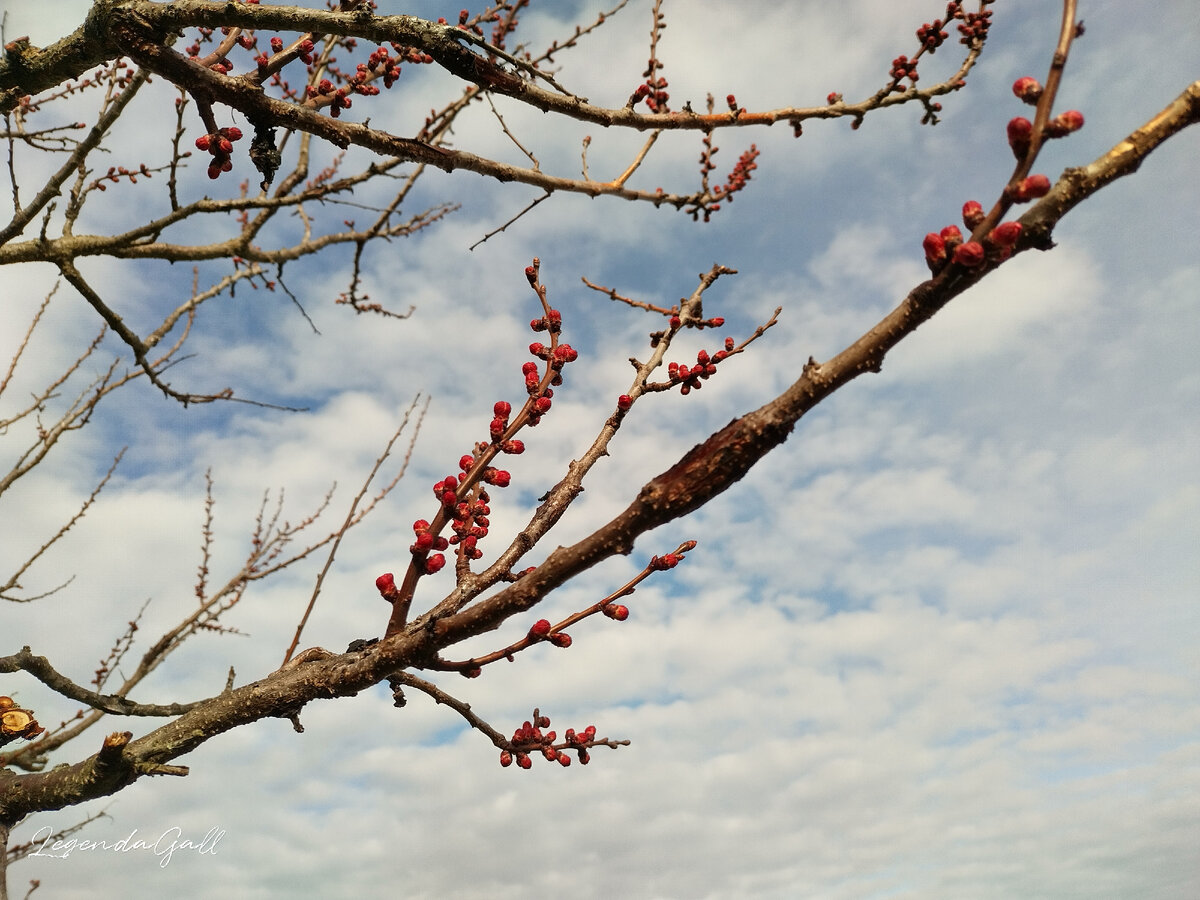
39, 667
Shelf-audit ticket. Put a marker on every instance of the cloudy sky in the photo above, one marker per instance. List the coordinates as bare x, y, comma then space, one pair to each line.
940, 644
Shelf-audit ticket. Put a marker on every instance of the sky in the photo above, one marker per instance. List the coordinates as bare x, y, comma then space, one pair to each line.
941, 644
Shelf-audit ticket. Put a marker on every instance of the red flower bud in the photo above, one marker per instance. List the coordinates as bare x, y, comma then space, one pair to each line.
560, 639
624, 402
532, 274
514, 447
1031, 188
1020, 132
386, 583
935, 251
434, 563
203, 142
542, 404
540, 628
972, 214
952, 236
1027, 89
1006, 234
1064, 123
502, 409
969, 254
506, 758
616, 611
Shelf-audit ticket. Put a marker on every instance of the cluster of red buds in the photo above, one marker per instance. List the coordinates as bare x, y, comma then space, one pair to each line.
541, 631
307, 47
338, 98
903, 67
116, 173
654, 92
931, 35
428, 546
691, 378
947, 246
974, 27
470, 523
220, 145
742, 172
531, 739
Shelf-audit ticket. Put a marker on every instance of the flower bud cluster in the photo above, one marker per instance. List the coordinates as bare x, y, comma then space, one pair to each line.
931, 35
531, 739
947, 246
742, 172
337, 98
690, 378
427, 548
903, 67
974, 27
220, 145
654, 92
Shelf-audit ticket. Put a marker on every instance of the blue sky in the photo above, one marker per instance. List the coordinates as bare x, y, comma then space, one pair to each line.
940, 644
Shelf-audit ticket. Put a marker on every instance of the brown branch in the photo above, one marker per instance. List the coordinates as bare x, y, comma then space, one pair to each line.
117, 704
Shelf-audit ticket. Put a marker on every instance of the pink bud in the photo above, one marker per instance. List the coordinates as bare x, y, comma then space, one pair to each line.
935, 249
1005, 234
952, 236
1032, 187
972, 214
1020, 132
1027, 89
969, 254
